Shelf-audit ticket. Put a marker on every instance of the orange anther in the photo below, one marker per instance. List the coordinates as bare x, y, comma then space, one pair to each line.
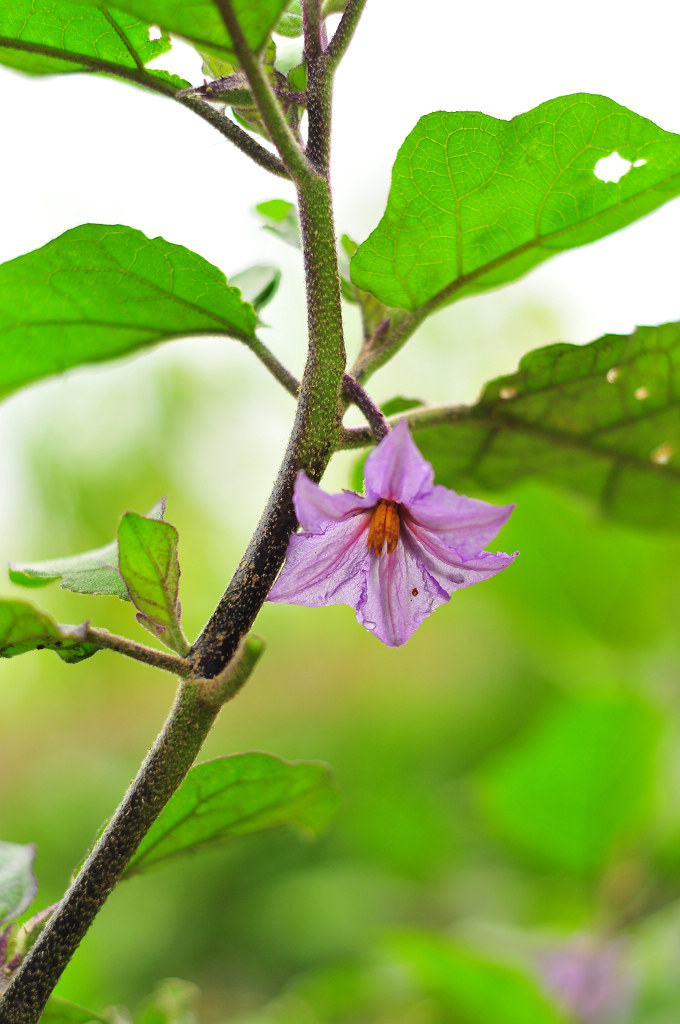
384, 528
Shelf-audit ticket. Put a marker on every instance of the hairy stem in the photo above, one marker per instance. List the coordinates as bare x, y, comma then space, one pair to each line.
162, 772
417, 419
240, 138
270, 111
140, 652
353, 390
344, 32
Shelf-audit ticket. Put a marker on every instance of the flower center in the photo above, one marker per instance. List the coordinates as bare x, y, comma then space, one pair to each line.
384, 528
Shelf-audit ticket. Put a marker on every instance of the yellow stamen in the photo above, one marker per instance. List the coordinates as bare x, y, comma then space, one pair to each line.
384, 528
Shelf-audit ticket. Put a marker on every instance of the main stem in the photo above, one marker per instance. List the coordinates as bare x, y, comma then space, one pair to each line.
311, 444
162, 772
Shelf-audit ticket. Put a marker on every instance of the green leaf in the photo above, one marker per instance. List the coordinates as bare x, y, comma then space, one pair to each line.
579, 788
102, 291
92, 572
290, 23
234, 796
601, 420
281, 219
472, 988
172, 1002
61, 1011
48, 37
201, 22
258, 285
476, 202
25, 628
147, 559
18, 884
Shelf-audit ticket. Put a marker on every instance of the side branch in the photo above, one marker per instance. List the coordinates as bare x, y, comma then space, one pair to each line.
279, 131
343, 34
241, 139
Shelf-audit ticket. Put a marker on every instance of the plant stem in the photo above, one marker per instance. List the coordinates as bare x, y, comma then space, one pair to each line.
417, 419
140, 652
161, 773
241, 139
279, 131
277, 369
377, 423
344, 32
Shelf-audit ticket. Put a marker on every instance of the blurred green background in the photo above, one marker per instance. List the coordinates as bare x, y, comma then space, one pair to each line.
508, 848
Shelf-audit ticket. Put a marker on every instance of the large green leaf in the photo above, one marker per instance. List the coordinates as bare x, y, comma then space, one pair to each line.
476, 202
91, 572
52, 36
579, 788
470, 988
101, 291
234, 796
200, 21
602, 420
148, 562
17, 881
25, 628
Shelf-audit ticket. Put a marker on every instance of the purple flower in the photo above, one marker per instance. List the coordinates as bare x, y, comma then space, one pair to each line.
397, 552
590, 980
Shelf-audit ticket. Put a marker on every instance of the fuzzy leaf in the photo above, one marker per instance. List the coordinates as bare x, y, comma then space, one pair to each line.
102, 291
61, 1011
602, 420
476, 202
55, 36
18, 884
201, 22
147, 559
234, 796
92, 572
25, 628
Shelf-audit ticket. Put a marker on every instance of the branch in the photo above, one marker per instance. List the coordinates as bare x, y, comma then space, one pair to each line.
140, 652
279, 131
343, 34
377, 423
246, 143
417, 419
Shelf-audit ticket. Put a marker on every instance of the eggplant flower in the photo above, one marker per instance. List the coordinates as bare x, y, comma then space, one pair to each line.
397, 552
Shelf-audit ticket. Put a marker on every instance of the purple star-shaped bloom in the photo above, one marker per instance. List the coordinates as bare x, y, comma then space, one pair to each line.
397, 552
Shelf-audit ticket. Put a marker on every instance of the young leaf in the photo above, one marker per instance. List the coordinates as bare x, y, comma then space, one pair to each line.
579, 787
25, 628
234, 796
101, 291
201, 22
18, 884
470, 987
147, 559
290, 23
44, 37
92, 572
258, 285
476, 202
281, 219
600, 419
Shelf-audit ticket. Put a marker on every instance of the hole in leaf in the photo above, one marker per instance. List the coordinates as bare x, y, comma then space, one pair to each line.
155, 32
613, 374
507, 393
614, 166
662, 454
641, 393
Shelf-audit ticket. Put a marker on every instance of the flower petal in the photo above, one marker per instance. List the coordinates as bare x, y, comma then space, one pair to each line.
447, 565
468, 524
325, 568
396, 470
315, 507
400, 594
